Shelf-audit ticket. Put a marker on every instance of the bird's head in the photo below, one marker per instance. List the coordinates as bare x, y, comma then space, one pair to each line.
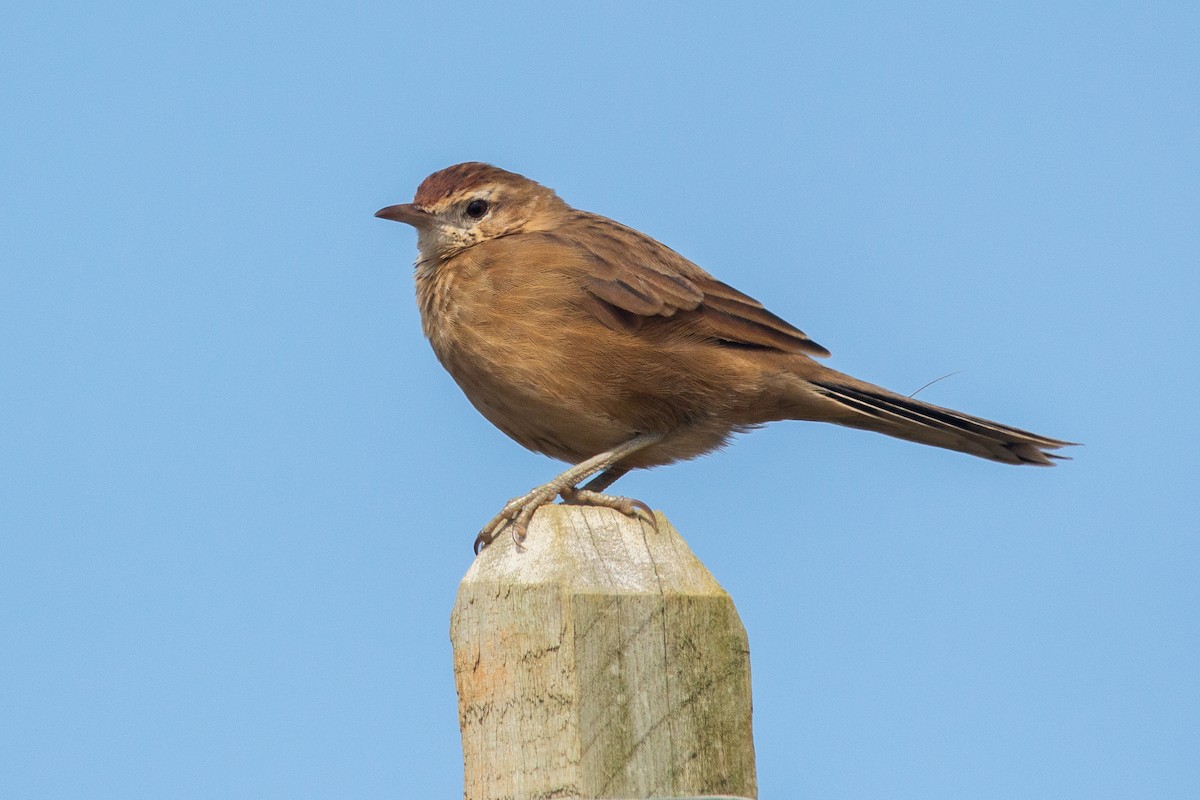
469, 203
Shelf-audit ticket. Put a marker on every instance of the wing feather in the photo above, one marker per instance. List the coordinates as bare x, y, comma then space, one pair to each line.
633, 279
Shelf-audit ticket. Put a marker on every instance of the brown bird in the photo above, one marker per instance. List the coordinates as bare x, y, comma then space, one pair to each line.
592, 343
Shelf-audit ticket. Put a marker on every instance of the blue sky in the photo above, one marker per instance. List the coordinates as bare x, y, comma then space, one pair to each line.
237, 492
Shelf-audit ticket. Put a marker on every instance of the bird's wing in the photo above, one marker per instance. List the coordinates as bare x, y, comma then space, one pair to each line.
631, 278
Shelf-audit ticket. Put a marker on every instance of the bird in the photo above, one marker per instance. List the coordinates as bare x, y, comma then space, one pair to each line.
592, 343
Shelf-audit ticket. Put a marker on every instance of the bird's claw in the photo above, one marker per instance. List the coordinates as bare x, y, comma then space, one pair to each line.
516, 515
628, 506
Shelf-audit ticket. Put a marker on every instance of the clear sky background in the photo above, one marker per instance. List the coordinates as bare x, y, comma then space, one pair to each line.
237, 492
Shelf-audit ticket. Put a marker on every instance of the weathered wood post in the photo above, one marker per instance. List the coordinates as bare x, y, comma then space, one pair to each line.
602, 660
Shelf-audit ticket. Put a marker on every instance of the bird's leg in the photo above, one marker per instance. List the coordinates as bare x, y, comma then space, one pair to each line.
605, 479
518, 511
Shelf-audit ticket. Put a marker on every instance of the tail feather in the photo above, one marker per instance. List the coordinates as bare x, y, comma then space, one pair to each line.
879, 410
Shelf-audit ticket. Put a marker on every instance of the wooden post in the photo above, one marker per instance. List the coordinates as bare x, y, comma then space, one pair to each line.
601, 660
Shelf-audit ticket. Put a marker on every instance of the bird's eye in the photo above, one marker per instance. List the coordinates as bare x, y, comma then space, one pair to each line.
477, 208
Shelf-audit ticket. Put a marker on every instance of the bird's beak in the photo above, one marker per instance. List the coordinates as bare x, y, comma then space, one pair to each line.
406, 212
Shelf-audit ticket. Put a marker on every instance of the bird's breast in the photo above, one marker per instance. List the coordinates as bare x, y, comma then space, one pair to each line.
506, 343
533, 359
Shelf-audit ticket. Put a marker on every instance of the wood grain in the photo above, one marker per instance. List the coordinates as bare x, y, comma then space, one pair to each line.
602, 660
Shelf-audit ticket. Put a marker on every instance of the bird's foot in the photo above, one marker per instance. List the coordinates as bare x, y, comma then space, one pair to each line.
626, 505
516, 515
517, 512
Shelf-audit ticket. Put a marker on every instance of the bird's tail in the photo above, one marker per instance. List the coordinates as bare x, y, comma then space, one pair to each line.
872, 408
